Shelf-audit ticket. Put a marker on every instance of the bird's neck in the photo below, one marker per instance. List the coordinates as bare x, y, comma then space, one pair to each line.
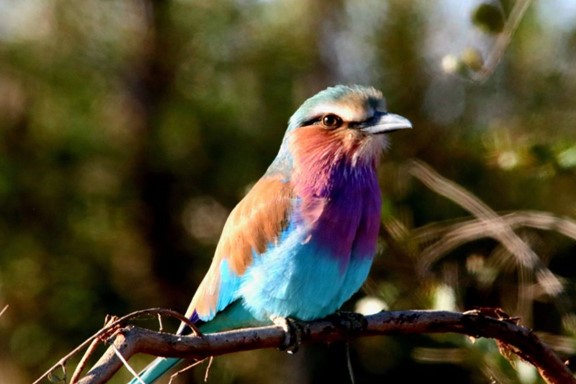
339, 198
339, 177
326, 164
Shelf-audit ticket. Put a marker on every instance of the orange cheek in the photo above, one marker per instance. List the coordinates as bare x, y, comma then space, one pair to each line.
308, 142
351, 140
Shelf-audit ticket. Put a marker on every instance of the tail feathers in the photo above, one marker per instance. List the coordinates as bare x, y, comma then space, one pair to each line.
156, 369
234, 316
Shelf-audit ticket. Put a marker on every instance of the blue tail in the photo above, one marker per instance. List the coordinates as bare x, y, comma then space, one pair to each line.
233, 317
156, 369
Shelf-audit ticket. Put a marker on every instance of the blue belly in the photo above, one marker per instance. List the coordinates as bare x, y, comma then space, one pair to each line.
300, 279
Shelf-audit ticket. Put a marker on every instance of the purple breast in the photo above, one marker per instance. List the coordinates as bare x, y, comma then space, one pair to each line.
343, 208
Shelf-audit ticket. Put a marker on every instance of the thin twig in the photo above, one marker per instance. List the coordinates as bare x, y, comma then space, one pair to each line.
4, 309
126, 365
186, 369
108, 325
120, 321
207, 373
160, 325
83, 362
502, 42
492, 225
450, 235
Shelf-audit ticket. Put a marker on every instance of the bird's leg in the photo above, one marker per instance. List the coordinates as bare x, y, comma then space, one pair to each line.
350, 321
293, 330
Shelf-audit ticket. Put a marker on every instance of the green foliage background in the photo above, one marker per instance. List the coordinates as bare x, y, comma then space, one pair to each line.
129, 129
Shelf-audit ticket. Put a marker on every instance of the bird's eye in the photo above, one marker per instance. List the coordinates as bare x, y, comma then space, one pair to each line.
331, 121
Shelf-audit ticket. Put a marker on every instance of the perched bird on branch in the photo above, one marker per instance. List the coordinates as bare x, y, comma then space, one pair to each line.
302, 241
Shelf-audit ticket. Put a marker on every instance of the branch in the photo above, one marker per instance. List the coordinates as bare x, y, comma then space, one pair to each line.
503, 41
448, 236
492, 225
479, 323
111, 326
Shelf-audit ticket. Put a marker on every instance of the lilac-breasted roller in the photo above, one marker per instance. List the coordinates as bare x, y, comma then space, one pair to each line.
302, 241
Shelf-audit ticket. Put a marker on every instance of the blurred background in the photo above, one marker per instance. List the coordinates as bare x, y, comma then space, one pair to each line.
130, 128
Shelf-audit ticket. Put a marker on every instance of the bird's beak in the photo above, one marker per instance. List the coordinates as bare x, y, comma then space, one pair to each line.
383, 122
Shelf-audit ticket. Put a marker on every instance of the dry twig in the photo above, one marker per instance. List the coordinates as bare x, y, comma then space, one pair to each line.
114, 325
479, 323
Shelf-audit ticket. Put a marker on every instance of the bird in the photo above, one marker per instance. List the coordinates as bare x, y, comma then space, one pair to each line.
302, 240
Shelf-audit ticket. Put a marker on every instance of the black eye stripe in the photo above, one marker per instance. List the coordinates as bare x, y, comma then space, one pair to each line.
316, 120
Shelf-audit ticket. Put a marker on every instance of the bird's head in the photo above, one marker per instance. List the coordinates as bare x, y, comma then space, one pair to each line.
340, 121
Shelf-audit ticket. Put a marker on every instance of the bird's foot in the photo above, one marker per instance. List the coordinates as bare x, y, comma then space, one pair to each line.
293, 330
352, 322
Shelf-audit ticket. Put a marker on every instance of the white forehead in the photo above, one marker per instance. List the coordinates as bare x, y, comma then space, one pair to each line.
350, 110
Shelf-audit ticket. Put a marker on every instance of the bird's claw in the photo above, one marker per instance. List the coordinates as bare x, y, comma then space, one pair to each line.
293, 331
